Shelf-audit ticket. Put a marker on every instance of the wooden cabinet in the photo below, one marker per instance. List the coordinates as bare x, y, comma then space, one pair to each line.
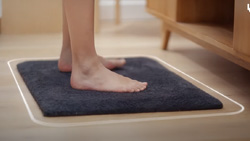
242, 27
222, 26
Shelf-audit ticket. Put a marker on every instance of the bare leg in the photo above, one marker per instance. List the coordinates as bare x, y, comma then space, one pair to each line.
65, 61
88, 73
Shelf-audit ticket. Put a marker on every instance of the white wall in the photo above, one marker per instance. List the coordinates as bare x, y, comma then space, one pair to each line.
130, 10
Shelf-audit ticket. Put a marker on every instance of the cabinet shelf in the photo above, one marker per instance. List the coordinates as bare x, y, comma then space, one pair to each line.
218, 35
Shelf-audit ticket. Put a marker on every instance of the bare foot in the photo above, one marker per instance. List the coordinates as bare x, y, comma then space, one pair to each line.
112, 63
65, 62
97, 77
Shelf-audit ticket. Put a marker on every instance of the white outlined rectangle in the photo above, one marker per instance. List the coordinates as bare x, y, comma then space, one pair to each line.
87, 120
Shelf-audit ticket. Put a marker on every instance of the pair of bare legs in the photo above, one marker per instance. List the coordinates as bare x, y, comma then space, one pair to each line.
78, 56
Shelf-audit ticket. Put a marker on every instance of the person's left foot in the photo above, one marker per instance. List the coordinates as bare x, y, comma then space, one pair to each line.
111, 63
65, 64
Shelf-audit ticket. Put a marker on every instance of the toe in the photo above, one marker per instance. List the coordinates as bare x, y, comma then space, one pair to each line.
142, 88
137, 90
145, 83
131, 90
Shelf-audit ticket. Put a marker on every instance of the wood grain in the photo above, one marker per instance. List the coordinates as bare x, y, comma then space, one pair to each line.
242, 28
205, 23
165, 7
214, 11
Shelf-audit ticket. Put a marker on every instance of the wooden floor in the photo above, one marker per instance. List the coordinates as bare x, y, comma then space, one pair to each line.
130, 38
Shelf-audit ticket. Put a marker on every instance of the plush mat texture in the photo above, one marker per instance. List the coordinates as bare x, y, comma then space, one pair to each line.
166, 91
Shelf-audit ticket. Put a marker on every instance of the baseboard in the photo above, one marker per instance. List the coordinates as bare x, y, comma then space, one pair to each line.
130, 10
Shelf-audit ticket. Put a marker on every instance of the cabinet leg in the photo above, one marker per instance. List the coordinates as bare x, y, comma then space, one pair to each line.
117, 12
97, 17
166, 36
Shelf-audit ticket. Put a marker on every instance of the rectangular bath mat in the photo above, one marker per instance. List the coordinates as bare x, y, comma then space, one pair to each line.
166, 91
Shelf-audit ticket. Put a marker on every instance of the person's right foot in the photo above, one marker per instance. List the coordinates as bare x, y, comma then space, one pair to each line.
97, 77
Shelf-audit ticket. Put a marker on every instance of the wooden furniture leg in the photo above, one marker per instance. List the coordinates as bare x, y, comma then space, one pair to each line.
97, 17
117, 12
165, 37
97, 14
0, 25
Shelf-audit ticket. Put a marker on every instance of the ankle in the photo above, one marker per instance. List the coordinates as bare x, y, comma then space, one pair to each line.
87, 66
84, 74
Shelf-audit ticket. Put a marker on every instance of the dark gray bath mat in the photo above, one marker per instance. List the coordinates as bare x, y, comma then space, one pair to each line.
166, 91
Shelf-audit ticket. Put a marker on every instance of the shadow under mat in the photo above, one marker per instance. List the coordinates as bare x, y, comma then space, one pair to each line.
166, 91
